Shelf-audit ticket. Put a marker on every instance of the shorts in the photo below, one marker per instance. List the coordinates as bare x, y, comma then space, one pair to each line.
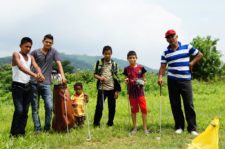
135, 103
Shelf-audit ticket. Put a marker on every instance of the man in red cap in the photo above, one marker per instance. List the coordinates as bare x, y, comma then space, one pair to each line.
178, 58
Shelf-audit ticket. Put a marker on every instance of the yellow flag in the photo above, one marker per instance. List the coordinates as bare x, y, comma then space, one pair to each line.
209, 139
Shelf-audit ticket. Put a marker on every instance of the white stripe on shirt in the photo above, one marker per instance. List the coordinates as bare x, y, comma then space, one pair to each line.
177, 53
186, 59
183, 76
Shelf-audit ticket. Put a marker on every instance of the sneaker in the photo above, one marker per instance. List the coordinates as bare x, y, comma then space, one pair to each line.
179, 131
194, 133
133, 131
146, 131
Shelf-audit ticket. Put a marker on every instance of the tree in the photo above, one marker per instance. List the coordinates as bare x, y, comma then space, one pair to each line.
211, 63
67, 67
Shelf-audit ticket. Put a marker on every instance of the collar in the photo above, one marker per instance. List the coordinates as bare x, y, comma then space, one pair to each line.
179, 45
105, 62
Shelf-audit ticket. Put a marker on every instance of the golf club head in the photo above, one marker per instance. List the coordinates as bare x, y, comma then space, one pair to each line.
88, 139
158, 138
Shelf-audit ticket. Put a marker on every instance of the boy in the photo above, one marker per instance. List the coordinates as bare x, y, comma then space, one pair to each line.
21, 87
79, 99
108, 86
135, 80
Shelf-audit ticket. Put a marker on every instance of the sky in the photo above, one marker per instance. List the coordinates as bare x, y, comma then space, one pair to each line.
86, 26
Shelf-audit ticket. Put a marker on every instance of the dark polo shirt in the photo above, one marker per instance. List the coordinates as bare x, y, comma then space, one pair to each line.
45, 62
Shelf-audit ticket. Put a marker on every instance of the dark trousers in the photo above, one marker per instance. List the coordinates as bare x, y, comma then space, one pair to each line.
178, 89
22, 95
100, 105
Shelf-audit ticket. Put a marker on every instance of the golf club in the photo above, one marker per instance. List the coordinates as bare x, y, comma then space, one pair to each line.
160, 114
89, 132
102, 100
65, 103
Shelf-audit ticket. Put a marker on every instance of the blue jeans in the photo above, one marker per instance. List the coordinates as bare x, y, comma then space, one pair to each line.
45, 92
21, 94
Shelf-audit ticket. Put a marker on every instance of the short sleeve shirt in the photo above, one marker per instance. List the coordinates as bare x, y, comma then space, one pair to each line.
134, 73
178, 61
45, 62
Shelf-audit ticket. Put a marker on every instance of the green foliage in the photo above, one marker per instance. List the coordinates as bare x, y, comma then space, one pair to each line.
211, 65
67, 66
5, 82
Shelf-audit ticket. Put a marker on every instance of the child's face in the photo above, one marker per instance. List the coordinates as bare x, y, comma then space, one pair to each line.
132, 60
107, 55
78, 90
26, 47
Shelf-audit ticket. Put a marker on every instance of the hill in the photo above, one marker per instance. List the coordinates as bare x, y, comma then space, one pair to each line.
81, 62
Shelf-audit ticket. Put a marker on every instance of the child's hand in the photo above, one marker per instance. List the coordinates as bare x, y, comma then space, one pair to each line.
126, 80
86, 98
116, 94
102, 78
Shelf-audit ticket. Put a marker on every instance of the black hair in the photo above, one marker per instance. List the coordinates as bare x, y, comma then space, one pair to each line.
48, 36
106, 48
131, 53
25, 40
78, 84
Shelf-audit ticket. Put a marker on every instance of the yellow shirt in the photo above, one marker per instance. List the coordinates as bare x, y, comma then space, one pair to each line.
78, 102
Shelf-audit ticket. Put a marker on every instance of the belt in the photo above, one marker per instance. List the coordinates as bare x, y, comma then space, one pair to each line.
21, 84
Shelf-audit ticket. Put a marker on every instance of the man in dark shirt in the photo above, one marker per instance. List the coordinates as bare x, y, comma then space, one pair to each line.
45, 57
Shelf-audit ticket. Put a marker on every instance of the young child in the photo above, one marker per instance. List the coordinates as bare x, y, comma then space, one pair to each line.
21, 86
79, 99
135, 80
108, 86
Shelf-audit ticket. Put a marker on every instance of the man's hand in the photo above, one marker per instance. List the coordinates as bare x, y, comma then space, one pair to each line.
160, 81
191, 65
116, 94
40, 77
64, 81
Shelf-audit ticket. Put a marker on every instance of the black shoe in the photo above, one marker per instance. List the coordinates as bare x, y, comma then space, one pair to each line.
96, 126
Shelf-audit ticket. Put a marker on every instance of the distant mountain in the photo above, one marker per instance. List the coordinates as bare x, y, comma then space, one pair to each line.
81, 62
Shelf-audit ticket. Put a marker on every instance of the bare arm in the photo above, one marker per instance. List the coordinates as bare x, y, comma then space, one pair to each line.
197, 58
161, 73
60, 68
38, 69
16, 62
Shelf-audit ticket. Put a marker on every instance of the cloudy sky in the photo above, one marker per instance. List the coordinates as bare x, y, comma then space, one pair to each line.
85, 26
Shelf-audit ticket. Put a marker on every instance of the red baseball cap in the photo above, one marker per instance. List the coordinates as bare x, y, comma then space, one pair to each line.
170, 32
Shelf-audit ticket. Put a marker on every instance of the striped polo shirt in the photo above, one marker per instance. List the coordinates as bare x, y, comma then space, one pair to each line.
178, 61
78, 103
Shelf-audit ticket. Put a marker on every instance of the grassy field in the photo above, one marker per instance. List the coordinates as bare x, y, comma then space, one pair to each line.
209, 102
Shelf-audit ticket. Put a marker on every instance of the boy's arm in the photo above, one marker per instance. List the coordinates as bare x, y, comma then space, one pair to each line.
86, 97
37, 68
96, 75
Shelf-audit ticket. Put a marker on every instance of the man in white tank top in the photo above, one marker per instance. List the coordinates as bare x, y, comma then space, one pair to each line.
21, 88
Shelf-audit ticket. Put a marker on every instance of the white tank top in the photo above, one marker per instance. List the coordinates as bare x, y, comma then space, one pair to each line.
18, 75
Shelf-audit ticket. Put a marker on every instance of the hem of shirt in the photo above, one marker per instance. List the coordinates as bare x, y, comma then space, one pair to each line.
179, 79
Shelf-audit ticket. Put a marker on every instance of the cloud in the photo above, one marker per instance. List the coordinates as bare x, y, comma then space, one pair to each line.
84, 26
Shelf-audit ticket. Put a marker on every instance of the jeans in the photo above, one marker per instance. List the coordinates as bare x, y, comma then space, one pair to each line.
45, 92
21, 94
178, 89
100, 105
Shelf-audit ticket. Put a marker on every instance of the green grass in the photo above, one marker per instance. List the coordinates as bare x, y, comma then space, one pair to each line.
209, 102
